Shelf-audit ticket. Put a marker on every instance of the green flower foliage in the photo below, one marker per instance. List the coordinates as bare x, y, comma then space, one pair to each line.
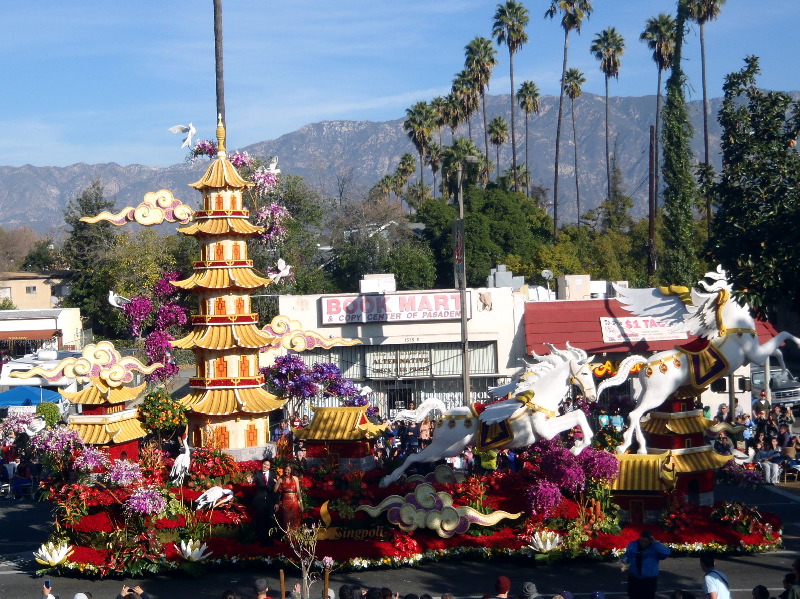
50, 413
161, 413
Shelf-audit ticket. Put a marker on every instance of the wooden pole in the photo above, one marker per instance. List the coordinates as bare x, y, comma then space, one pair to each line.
651, 242
327, 583
283, 584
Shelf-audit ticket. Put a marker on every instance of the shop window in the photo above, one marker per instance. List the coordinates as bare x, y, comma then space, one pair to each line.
30, 290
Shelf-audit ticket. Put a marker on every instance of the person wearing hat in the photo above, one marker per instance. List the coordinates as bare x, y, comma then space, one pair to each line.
529, 591
260, 588
642, 557
762, 404
502, 586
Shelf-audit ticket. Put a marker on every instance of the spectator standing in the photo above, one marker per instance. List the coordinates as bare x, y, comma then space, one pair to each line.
502, 587
642, 557
260, 588
715, 583
788, 581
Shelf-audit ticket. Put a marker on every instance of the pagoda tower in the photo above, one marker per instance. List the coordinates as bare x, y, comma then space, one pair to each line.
227, 401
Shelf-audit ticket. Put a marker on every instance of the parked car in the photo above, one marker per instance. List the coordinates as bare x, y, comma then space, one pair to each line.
784, 387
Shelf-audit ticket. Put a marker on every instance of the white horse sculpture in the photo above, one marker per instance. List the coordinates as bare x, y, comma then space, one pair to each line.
723, 325
530, 415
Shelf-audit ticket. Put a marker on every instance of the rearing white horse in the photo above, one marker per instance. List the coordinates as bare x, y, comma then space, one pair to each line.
530, 415
727, 339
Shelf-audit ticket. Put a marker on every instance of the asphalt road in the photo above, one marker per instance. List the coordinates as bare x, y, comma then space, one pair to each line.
24, 525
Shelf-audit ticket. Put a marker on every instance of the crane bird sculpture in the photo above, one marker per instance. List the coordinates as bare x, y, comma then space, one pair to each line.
726, 339
531, 413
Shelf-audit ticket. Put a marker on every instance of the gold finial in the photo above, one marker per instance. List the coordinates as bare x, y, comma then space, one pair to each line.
220, 137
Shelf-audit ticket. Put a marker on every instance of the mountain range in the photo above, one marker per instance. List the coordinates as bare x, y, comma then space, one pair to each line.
357, 153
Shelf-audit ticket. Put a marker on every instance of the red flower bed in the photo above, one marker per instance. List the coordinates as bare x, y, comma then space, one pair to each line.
169, 524
99, 522
88, 555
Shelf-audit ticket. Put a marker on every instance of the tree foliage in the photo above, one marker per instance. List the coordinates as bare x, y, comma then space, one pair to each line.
757, 225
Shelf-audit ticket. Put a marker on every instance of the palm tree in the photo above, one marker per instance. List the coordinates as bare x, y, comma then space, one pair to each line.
480, 60
572, 87
435, 162
439, 105
218, 63
607, 47
451, 114
419, 124
701, 12
402, 175
466, 93
510, 20
455, 154
659, 34
573, 12
498, 132
528, 97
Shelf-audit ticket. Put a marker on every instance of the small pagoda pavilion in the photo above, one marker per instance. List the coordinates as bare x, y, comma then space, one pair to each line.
227, 401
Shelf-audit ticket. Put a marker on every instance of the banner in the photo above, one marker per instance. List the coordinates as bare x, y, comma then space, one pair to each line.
637, 328
395, 308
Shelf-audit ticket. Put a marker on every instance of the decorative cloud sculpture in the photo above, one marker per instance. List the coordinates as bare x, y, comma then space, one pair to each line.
157, 207
425, 508
98, 361
289, 334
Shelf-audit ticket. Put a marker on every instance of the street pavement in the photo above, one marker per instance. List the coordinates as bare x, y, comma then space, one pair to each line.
25, 525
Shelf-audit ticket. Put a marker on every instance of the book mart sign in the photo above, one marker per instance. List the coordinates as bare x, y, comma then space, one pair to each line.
401, 307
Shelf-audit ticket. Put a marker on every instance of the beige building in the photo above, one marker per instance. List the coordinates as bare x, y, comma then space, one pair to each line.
27, 331
34, 290
411, 341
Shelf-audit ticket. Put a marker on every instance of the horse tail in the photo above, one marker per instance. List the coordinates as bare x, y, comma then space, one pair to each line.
423, 410
622, 373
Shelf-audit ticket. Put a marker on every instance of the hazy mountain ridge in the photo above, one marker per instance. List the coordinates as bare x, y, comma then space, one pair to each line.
364, 151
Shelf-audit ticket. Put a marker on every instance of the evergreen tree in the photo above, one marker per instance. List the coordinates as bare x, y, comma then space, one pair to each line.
679, 264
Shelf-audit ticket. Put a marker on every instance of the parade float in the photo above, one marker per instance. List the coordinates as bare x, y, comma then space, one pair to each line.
130, 516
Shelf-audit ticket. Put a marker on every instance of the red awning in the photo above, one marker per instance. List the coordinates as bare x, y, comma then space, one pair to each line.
579, 323
27, 335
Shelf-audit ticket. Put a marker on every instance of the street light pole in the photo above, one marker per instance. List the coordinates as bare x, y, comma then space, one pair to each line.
461, 276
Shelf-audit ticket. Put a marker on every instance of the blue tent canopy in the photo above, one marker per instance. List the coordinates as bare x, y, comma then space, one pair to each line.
27, 396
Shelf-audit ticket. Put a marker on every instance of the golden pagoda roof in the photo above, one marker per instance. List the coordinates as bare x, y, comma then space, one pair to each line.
108, 428
693, 459
649, 472
223, 278
99, 393
679, 423
224, 337
340, 424
223, 402
221, 173
221, 226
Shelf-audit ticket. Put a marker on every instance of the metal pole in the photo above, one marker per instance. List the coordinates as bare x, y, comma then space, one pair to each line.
462, 290
651, 240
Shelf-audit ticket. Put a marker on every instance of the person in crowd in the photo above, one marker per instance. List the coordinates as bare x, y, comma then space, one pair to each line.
132, 593
529, 591
788, 580
502, 586
738, 410
715, 583
771, 427
282, 430
301, 459
723, 445
264, 501
723, 414
229, 594
760, 592
765, 457
784, 437
304, 422
296, 422
642, 557
761, 404
759, 437
425, 433
786, 416
260, 588
346, 592
22, 478
413, 436
291, 505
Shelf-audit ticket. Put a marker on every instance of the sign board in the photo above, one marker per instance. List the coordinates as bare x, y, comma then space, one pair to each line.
394, 308
637, 328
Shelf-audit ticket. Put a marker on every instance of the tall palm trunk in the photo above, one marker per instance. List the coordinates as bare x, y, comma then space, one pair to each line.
558, 134
421, 171
498, 162
575, 143
220, 79
527, 154
608, 156
469, 126
513, 126
658, 131
706, 110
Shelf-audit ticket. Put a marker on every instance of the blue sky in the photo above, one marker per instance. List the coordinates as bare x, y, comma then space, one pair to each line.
101, 81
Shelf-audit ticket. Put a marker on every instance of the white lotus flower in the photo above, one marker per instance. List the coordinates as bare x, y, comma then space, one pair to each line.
193, 551
51, 554
545, 541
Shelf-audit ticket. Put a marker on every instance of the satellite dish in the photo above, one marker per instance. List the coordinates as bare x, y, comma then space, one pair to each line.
547, 274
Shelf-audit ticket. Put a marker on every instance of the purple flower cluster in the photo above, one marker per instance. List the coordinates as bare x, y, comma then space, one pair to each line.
264, 180
543, 497
170, 314
158, 349
136, 312
13, 424
145, 500
562, 469
598, 466
57, 442
204, 147
273, 218
91, 459
737, 475
124, 472
164, 287
240, 159
290, 377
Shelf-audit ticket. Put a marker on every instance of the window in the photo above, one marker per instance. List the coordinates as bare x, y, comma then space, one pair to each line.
31, 290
